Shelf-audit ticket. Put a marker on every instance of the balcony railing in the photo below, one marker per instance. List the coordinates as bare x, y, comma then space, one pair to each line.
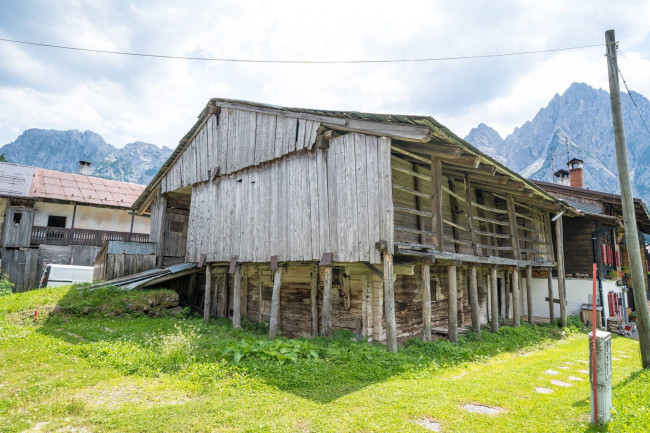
63, 236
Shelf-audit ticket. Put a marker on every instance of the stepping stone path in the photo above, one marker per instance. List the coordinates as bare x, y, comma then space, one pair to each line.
584, 362
428, 424
551, 372
575, 379
479, 408
542, 390
583, 371
560, 383
622, 356
570, 363
615, 359
563, 367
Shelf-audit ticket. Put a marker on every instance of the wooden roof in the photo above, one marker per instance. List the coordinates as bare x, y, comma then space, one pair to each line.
422, 130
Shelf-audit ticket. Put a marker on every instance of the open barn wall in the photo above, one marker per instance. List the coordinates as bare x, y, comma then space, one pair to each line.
298, 207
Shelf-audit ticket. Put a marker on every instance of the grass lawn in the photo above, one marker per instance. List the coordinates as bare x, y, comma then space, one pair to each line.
76, 369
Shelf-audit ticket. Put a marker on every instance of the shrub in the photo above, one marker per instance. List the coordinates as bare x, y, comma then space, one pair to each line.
280, 350
6, 286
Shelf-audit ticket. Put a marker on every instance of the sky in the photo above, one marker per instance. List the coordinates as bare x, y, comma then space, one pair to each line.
128, 99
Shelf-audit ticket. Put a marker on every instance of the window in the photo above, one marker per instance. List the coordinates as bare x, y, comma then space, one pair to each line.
56, 221
18, 217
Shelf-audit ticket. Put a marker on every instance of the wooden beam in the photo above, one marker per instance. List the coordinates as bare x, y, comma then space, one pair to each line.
346, 288
374, 269
275, 304
432, 149
516, 298
313, 298
551, 308
392, 130
494, 299
236, 297
470, 215
426, 302
452, 303
436, 203
326, 311
473, 301
559, 238
465, 161
514, 233
529, 294
207, 296
550, 255
389, 304
453, 204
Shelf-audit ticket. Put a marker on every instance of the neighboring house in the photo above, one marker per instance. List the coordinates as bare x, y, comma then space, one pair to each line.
595, 236
63, 218
342, 220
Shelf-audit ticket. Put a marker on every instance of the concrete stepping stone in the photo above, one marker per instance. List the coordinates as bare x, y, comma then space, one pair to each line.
575, 379
584, 362
543, 390
625, 356
563, 367
570, 363
560, 383
485, 410
551, 372
583, 371
429, 424
615, 359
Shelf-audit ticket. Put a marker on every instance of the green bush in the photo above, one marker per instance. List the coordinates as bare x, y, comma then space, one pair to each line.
280, 350
6, 286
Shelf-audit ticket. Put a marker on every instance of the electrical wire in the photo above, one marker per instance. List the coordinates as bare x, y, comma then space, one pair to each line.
313, 62
629, 94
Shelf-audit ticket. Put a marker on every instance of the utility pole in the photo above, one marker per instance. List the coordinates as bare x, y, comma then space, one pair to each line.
629, 218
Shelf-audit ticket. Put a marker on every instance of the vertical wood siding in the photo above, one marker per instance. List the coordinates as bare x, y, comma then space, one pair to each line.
336, 200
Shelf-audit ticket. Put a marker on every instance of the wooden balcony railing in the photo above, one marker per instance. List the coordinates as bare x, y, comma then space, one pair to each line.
63, 236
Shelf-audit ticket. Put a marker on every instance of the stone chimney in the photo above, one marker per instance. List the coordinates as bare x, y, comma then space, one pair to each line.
561, 177
84, 168
575, 173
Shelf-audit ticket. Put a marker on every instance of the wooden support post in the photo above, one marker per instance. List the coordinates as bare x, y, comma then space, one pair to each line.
436, 203
494, 299
389, 304
470, 215
550, 256
529, 294
260, 293
452, 302
473, 299
207, 297
236, 298
326, 312
426, 302
488, 296
514, 231
313, 298
551, 308
244, 292
516, 298
453, 204
275, 303
504, 296
559, 237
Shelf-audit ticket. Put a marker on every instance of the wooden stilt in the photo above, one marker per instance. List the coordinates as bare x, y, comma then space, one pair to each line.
452, 331
244, 291
236, 298
473, 299
559, 236
389, 304
207, 297
326, 312
551, 308
504, 297
313, 298
275, 304
516, 298
494, 300
426, 302
529, 294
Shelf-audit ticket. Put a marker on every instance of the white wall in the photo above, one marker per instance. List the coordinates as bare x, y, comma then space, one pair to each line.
577, 293
92, 218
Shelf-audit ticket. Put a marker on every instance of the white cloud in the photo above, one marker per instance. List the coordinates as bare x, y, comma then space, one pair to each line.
126, 99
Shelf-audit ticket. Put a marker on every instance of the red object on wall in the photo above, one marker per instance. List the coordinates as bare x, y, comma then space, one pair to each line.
618, 259
603, 254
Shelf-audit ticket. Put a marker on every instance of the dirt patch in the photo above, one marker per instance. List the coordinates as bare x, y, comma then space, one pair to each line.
429, 424
484, 410
115, 397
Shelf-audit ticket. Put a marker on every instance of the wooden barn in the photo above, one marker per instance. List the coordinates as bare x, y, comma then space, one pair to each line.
389, 226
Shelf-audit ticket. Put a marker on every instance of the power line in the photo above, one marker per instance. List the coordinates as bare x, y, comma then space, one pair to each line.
629, 94
315, 62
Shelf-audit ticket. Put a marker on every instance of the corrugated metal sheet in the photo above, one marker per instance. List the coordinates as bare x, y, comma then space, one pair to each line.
150, 277
15, 179
58, 185
586, 208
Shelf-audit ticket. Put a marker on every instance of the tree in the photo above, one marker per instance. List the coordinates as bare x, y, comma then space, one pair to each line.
3, 158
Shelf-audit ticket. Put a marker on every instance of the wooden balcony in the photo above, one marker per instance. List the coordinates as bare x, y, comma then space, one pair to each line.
63, 236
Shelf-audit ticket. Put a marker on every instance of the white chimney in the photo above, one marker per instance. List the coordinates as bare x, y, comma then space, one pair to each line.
84, 168
561, 177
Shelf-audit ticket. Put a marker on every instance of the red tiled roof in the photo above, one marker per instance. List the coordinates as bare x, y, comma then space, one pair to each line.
83, 189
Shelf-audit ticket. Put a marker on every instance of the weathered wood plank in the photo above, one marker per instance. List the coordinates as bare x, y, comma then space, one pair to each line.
436, 204
361, 183
326, 312
516, 298
426, 302
207, 297
389, 304
237, 297
559, 239
452, 303
512, 219
313, 298
275, 303
474, 304
494, 300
